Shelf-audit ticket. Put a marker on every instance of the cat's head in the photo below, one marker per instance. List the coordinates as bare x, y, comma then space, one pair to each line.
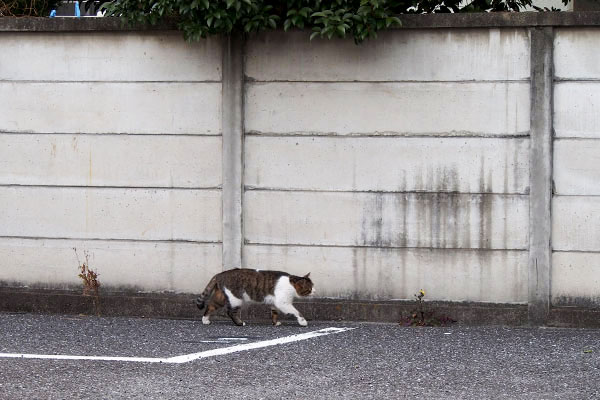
303, 285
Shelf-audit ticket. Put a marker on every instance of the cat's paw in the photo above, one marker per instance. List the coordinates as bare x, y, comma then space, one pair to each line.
278, 323
205, 320
302, 321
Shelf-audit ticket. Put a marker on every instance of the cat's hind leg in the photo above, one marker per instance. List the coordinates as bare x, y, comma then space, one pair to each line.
234, 314
274, 316
233, 305
209, 310
216, 301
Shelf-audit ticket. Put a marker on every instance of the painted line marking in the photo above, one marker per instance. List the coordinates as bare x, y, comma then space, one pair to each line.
188, 357
256, 345
225, 340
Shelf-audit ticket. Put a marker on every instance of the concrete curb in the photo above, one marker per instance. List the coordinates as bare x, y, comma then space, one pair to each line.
165, 305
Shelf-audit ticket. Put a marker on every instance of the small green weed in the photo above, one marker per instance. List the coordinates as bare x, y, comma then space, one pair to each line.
421, 316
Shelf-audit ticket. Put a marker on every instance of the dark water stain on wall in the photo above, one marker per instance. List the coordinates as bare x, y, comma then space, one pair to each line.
485, 207
359, 273
445, 218
377, 231
505, 187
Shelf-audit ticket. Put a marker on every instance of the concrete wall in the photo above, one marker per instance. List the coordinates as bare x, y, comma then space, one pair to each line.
110, 143
401, 164
576, 201
382, 172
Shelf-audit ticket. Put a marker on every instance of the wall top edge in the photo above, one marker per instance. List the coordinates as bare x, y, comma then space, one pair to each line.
72, 24
409, 21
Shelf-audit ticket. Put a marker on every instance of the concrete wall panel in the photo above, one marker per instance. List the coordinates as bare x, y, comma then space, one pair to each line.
138, 214
575, 222
577, 167
388, 164
379, 108
578, 44
179, 267
575, 279
371, 273
387, 219
154, 108
111, 160
466, 54
98, 56
577, 109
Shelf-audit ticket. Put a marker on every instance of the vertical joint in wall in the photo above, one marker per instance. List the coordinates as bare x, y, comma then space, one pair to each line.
540, 175
233, 136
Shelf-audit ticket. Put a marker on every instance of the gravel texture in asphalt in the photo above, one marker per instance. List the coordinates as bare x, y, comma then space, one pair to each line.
372, 361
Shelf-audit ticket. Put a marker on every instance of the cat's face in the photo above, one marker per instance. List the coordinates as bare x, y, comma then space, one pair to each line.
304, 286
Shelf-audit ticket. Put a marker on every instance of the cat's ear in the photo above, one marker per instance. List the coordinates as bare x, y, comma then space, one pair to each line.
307, 275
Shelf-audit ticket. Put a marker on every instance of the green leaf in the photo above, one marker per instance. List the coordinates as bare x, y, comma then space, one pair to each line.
313, 35
323, 14
304, 12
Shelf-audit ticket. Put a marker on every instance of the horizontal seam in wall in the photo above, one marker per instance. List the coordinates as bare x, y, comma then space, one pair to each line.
250, 81
166, 241
574, 195
576, 80
28, 81
576, 251
208, 188
381, 135
575, 138
249, 243
439, 192
27, 133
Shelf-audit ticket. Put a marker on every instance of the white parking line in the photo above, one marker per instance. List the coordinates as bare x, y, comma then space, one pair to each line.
256, 345
188, 357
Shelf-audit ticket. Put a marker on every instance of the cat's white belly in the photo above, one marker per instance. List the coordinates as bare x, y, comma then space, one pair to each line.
237, 302
284, 293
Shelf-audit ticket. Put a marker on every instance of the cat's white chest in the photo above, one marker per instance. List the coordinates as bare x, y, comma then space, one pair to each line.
284, 290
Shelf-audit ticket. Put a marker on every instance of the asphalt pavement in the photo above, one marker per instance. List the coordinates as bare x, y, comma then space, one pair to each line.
371, 361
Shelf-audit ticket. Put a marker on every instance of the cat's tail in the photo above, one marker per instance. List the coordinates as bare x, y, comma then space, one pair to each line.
201, 300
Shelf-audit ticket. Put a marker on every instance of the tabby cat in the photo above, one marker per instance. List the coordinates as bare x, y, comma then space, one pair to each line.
234, 287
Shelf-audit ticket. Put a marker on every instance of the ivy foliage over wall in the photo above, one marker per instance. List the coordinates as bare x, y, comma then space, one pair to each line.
360, 19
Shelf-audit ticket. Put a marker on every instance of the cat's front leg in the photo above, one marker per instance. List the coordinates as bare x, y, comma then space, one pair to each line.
290, 309
274, 316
